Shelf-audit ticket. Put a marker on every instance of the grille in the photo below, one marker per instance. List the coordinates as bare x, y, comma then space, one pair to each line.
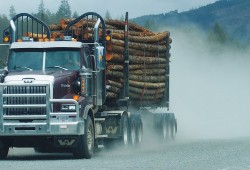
24, 100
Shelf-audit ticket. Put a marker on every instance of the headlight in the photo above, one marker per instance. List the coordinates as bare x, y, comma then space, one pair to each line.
68, 108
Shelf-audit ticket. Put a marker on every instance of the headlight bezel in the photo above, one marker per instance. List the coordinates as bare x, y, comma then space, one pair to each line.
68, 108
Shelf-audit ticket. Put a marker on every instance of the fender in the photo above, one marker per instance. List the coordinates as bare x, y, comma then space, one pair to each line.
87, 109
85, 104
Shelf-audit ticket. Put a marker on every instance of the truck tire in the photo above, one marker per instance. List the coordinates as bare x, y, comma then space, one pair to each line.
166, 128
132, 127
40, 150
85, 145
4, 149
125, 129
139, 129
173, 128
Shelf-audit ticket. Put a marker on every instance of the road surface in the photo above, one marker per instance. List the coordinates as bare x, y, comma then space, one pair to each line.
220, 154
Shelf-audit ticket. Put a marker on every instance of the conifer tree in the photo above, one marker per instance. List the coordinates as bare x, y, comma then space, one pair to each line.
64, 10
12, 11
108, 16
41, 11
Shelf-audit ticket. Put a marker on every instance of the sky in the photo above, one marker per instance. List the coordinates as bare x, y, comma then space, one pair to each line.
116, 8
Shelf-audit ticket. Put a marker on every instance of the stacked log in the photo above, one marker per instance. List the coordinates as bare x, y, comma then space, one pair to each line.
148, 58
148, 62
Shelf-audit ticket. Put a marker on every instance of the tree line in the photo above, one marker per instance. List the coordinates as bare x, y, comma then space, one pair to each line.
44, 14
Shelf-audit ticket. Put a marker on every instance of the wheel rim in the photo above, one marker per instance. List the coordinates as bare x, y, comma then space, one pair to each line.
90, 137
133, 133
169, 133
140, 132
164, 129
3, 151
173, 131
125, 132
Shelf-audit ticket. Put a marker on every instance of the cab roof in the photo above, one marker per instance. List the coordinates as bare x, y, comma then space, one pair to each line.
50, 44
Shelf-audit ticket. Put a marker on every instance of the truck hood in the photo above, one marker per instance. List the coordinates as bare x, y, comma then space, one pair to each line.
37, 76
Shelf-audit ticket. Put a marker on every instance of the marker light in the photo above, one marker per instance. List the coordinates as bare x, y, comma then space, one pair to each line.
6, 39
108, 35
108, 38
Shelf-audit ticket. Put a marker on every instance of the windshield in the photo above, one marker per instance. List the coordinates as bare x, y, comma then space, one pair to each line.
48, 59
29, 59
62, 59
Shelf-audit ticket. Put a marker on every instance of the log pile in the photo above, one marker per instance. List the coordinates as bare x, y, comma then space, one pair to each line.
148, 58
148, 63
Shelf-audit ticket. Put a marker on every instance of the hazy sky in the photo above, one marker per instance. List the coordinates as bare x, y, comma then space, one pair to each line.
116, 8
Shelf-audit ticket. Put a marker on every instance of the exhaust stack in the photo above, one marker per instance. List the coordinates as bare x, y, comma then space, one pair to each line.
13, 27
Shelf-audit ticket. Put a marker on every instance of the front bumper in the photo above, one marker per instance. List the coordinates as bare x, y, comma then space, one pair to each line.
48, 124
26, 110
42, 129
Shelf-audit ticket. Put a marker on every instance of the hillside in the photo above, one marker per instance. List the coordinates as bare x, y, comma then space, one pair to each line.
232, 15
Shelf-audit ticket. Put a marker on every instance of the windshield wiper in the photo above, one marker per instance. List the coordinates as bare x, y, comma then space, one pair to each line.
57, 67
27, 68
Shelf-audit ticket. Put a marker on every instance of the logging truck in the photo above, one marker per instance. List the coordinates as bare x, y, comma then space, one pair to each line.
71, 90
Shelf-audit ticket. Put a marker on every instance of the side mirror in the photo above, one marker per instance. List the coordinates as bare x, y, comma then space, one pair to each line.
100, 60
3, 73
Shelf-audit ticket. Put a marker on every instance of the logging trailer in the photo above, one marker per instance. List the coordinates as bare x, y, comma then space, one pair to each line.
53, 93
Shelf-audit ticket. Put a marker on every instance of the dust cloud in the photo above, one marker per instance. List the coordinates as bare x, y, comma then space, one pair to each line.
209, 92
209, 89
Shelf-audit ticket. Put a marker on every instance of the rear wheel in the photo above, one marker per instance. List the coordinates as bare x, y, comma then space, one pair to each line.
125, 129
173, 128
166, 128
139, 130
4, 149
133, 137
85, 145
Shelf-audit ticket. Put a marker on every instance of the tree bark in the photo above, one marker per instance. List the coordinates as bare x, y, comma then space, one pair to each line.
138, 59
151, 66
114, 83
146, 91
136, 52
115, 74
141, 46
148, 79
55, 27
143, 39
132, 26
146, 60
66, 21
148, 72
111, 95
144, 102
145, 97
114, 67
113, 89
35, 35
146, 85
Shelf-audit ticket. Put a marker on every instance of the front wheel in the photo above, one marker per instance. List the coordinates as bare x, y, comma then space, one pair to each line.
85, 145
4, 149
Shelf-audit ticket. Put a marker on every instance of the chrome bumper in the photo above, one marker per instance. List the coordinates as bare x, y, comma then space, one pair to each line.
41, 129
46, 122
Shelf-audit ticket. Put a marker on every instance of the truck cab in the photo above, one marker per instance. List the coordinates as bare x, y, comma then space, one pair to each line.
50, 90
